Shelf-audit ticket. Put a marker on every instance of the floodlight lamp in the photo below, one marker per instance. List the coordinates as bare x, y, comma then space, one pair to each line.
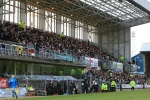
120, 1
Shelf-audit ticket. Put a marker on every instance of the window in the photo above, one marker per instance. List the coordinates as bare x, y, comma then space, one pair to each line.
66, 26
50, 21
79, 30
6, 11
17, 12
91, 32
36, 19
11, 10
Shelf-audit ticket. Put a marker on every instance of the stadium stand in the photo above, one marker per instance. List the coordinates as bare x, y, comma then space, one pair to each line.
23, 41
44, 41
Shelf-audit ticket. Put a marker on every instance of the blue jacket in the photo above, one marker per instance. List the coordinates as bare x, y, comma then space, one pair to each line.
12, 82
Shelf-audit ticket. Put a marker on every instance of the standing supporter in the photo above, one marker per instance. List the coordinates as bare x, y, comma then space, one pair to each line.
95, 85
83, 87
76, 90
59, 87
71, 87
47, 88
51, 86
55, 90
65, 87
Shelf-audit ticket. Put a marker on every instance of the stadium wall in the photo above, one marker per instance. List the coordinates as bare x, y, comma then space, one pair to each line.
116, 42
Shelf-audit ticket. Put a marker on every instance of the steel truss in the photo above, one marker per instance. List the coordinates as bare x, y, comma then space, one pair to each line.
4, 10
102, 14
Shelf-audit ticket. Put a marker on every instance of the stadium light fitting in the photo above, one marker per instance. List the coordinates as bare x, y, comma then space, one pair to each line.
120, 1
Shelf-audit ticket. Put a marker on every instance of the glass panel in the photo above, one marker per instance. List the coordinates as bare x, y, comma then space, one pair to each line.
32, 19
123, 11
36, 18
6, 11
17, 12
11, 10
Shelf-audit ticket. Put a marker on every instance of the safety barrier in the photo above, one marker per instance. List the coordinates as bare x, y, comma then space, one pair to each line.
43, 52
6, 93
16, 50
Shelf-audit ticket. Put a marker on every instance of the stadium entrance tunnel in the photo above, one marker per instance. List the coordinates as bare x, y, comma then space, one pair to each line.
145, 50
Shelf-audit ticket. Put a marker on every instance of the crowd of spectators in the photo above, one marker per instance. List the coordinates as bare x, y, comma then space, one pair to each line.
37, 38
119, 77
95, 78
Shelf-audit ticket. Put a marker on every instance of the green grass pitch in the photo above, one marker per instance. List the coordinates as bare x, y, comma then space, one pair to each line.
123, 95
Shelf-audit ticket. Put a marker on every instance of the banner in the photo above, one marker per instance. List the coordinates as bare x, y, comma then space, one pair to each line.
63, 57
119, 67
3, 83
91, 61
6, 93
113, 65
106, 64
127, 86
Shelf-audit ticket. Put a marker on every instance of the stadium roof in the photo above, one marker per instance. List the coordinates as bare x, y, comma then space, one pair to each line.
145, 48
99, 13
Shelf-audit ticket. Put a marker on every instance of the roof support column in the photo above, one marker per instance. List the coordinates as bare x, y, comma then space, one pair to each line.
1, 11
96, 37
42, 19
23, 13
73, 28
85, 32
58, 24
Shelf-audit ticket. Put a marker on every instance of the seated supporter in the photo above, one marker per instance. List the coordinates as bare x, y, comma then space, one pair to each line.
30, 88
37, 38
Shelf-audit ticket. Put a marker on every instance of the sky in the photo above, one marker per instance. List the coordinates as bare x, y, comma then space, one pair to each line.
142, 35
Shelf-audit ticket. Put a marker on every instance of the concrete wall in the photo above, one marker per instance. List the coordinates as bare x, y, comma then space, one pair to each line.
116, 42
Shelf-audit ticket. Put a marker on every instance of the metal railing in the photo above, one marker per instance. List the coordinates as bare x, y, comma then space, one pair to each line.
22, 50
12, 48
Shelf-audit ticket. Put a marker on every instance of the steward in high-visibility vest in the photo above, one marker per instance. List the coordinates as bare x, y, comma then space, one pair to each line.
113, 86
132, 84
111, 74
30, 88
20, 51
121, 58
104, 87
61, 73
62, 34
131, 75
83, 72
22, 25
72, 72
